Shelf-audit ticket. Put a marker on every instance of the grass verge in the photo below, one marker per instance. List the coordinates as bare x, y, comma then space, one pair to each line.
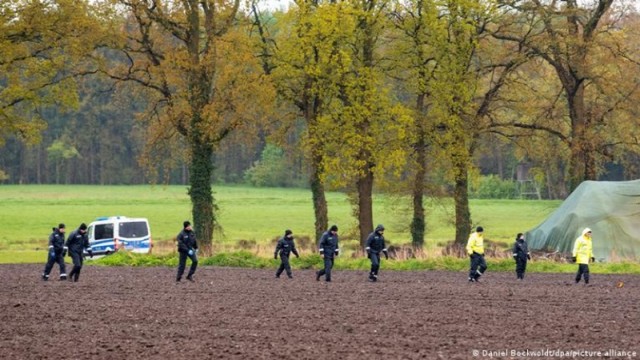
246, 259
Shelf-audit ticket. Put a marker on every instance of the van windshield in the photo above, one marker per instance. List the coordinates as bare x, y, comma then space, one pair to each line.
133, 229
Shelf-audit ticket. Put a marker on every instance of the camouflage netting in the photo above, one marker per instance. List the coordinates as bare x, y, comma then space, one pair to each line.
610, 209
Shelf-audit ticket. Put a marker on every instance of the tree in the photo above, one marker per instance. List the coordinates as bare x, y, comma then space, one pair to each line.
572, 38
416, 22
196, 60
373, 128
44, 46
307, 57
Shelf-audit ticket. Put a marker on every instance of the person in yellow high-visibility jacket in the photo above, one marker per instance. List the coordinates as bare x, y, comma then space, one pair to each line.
582, 254
475, 250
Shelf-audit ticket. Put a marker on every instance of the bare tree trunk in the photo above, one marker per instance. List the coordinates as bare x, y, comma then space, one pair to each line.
461, 198
418, 223
365, 205
320, 208
201, 169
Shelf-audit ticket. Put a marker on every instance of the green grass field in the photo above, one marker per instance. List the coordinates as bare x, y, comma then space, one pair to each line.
256, 215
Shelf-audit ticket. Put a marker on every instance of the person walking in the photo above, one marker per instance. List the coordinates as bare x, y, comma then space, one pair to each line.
329, 249
375, 245
187, 247
475, 250
582, 254
521, 255
56, 253
284, 248
77, 243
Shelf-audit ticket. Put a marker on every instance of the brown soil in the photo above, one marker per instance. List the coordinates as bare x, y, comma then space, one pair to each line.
118, 313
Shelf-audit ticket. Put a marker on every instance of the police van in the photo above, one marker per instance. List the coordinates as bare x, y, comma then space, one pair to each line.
113, 233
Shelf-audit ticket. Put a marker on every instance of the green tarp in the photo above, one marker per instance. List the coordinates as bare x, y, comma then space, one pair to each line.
611, 209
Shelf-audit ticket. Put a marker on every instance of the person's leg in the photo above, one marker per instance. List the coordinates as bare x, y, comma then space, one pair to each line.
280, 269
80, 262
579, 274
474, 267
286, 265
194, 266
77, 265
519, 265
585, 272
48, 266
328, 264
182, 263
482, 266
62, 266
375, 265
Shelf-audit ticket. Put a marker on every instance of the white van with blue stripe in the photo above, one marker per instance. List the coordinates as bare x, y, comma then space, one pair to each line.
113, 233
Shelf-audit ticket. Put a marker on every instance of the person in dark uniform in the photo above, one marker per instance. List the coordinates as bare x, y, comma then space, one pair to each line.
521, 255
375, 245
285, 247
328, 249
77, 243
56, 253
187, 247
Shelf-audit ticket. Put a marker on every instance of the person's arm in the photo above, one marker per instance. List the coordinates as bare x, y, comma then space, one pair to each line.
181, 245
278, 247
367, 248
576, 248
515, 249
195, 240
323, 240
86, 246
68, 243
384, 249
293, 248
52, 238
470, 245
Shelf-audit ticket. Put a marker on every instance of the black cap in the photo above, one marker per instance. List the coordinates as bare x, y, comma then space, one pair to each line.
334, 228
380, 227
61, 226
185, 224
288, 232
479, 229
83, 226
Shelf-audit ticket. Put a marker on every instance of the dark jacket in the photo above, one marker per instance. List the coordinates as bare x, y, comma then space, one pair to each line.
77, 242
375, 243
56, 240
520, 249
187, 241
285, 247
329, 244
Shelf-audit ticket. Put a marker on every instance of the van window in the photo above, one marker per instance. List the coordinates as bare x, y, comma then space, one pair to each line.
133, 229
103, 231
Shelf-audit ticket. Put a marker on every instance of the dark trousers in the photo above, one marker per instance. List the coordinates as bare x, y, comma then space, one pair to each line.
56, 258
521, 266
183, 263
328, 264
284, 265
375, 263
583, 269
478, 266
77, 259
